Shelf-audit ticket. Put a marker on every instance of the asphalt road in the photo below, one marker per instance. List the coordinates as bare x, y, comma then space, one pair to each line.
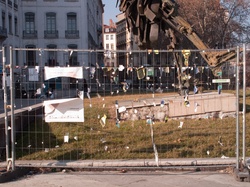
130, 178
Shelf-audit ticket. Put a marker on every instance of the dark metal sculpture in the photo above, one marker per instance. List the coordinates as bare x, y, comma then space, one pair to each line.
146, 18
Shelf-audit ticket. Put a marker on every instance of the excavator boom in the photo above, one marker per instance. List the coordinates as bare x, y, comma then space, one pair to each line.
214, 58
145, 17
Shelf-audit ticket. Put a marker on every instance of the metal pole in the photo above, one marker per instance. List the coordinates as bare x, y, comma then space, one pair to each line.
12, 111
244, 106
5, 105
237, 109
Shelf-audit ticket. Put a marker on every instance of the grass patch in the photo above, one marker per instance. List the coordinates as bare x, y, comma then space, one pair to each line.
89, 140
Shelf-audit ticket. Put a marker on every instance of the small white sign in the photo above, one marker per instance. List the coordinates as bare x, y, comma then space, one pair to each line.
221, 81
33, 74
7, 81
64, 110
66, 139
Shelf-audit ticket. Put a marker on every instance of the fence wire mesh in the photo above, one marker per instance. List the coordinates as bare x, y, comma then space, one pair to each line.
125, 93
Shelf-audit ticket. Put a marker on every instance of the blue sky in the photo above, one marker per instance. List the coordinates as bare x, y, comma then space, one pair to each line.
110, 11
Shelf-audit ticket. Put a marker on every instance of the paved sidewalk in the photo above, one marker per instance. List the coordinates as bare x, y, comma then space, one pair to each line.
128, 179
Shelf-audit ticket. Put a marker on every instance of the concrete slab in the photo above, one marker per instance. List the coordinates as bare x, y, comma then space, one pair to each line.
202, 105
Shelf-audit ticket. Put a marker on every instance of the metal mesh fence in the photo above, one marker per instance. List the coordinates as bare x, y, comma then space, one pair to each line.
133, 107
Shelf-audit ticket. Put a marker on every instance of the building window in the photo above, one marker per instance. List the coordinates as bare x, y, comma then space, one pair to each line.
71, 22
112, 46
71, 31
52, 56
29, 22
51, 22
107, 37
107, 46
3, 19
31, 55
16, 27
111, 37
10, 24
51, 31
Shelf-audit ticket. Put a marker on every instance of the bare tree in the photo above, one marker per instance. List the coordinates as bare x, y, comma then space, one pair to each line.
220, 24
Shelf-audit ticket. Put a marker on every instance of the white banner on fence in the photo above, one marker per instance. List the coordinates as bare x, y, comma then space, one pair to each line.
53, 72
64, 110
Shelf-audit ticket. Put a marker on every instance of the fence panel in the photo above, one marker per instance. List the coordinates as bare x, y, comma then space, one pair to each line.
132, 105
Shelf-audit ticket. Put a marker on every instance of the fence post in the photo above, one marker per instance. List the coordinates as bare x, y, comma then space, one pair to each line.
244, 107
5, 106
12, 110
237, 109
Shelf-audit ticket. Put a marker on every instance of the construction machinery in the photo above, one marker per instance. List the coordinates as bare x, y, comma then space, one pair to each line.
146, 18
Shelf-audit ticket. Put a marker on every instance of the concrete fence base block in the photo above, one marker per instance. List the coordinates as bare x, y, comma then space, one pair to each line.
13, 175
